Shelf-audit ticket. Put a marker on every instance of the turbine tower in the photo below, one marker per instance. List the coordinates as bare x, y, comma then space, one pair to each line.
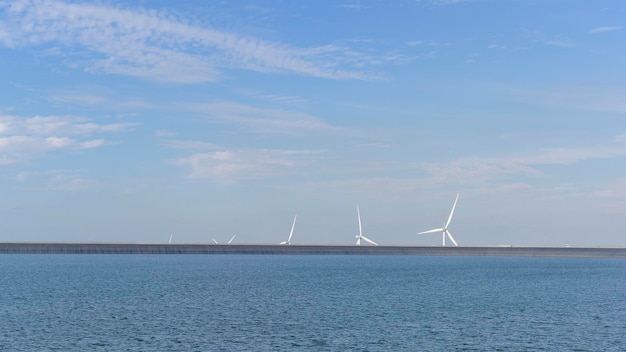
290, 233
360, 235
444, 230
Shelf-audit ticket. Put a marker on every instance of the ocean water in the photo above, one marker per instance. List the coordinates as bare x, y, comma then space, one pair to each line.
310, 303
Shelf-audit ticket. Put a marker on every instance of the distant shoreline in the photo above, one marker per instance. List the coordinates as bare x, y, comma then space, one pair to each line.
270, 249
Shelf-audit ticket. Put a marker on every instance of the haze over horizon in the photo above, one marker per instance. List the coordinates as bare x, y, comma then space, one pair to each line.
125, 121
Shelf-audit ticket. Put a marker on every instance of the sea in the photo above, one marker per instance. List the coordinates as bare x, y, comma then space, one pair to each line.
310, 303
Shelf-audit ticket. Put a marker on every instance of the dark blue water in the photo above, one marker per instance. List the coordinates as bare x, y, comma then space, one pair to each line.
313, 303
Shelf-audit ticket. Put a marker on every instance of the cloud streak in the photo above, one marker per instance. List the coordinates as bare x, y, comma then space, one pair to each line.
22, 139
604, 29
232, 166
483, 170
58, 180
260, 120
159, 46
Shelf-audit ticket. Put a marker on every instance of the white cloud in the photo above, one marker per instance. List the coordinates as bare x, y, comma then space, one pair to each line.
190, 145
235, 165
620, 139
591, 98
561, 41
162, 133
613, 190
67, 182
351, 6
58, 180
5, 37
50, 125
22, 139
80, 99
480, 170
604, 29
447, 2
158, 46
282, 98
261, 119
95, 143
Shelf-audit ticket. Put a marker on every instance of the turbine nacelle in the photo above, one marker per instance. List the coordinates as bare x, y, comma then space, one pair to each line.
444, 230
360, 236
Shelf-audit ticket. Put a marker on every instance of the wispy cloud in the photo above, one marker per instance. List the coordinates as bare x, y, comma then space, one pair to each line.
604, 29
190, 145
427, 43
591, 98
480, 170
166, 134
157, 45
58, 180
261, 120
79, 99
541, 38
231, 166
283, 98
55, 125
22, 139
446, 2
613, 190
486, 175
560, 41
351, 6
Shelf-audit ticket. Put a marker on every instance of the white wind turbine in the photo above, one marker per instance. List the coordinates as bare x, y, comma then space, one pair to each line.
229, 241
444, 230
360, 235
290, 233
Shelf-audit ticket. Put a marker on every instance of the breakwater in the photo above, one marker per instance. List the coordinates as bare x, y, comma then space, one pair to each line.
165, 248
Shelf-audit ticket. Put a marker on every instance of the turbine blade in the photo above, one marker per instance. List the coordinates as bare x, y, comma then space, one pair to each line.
284, 242
430, 231
451, 212
370, 241
358, 213
358, 241
214, 241
451, 238
231, 239
292, 226
170, 241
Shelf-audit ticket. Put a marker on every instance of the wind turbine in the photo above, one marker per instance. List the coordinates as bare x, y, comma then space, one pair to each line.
290, 233
444, 230
229, 241
360, 235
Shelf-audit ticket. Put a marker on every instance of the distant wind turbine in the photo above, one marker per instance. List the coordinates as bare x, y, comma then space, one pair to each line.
229, 241
444, 229
360, 235
170, 241
290, 233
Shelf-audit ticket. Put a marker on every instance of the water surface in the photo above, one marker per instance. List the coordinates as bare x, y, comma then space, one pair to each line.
314, 303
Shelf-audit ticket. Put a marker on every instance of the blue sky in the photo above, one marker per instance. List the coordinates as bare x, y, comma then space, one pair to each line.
129, 121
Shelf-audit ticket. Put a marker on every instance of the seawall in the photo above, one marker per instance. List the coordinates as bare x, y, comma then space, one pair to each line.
165, 248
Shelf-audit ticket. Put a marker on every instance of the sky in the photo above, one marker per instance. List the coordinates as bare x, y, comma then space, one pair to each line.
129, 121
